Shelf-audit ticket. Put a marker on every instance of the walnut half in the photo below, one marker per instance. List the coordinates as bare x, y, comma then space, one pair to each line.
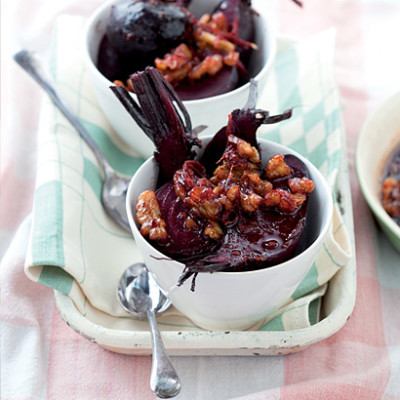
148, 214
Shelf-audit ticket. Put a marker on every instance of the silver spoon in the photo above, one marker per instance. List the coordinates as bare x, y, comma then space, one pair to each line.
140, 295
115, 185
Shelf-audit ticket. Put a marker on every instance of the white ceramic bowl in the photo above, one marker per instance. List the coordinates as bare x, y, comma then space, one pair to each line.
378, 139
234, 300
214, 109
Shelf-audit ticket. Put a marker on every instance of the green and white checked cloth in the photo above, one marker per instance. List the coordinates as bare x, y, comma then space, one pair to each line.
76, 249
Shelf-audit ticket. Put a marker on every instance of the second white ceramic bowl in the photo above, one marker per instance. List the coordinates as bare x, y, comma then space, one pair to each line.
378, 139
235, 300
212, 110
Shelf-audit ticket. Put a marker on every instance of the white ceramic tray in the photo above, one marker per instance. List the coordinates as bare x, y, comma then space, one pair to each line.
338, 304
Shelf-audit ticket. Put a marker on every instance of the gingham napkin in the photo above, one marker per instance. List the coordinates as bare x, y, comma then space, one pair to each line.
74, 246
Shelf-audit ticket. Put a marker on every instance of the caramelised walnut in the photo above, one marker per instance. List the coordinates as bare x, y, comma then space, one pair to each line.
176, 59
213, 230
217, 21
391, 196
186, 178
211, 65
231, 58
213, 41
221, 173
204, 202
240, 156
176, 65
250, 201
148, 215
245, 149
276, 167
284, 200
260, 186
301, 185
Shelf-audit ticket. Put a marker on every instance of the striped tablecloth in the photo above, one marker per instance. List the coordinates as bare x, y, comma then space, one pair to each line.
42, 358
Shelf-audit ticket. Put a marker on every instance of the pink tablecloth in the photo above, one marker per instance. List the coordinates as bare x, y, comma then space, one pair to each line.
42, 358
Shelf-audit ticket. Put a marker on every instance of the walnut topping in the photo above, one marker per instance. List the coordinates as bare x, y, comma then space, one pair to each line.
178, 57
236, 186
231, 59
148, 215
250, 202
301, 185
246, 150
204, 202
176, 65
190, 223
214, 41
233, 192
299, 198
213, 230
277, 167
186, 178
209, 55
211, 65
240, 155
283, 199
391, 196
218, 22
260, 186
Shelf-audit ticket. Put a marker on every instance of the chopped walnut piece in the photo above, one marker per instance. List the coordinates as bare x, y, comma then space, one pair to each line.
175, 65
190, 223
283, 199
148, 215
204, 202
213, 230
299, 198
232, 193
211, 65
301, 185
261, 187
219, 22
176, 59
214, 41
187, 178
177, 75
250, 202
246, 150
205, 19
391, 196
221, 173
231, 59
276, 167
238, 148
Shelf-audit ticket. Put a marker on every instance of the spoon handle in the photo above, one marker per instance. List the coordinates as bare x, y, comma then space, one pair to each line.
164, 381
30, 63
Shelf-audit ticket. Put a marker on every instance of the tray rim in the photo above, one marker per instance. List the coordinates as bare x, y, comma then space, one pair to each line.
237, 343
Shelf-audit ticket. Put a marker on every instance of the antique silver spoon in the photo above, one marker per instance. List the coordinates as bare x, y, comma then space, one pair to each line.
140, 295
115, 185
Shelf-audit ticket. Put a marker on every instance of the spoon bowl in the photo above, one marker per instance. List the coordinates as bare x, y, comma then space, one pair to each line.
140, 295
138, 291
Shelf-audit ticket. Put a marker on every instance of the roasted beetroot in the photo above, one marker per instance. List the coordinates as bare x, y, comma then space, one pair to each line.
201, 57
145, 28
226, 211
